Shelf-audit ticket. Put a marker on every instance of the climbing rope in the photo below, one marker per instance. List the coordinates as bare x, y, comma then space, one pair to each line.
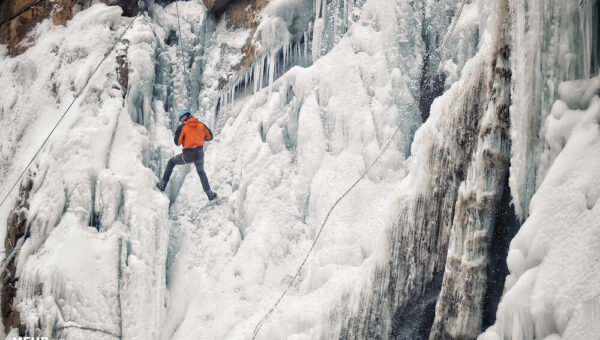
68, 108
186, 80
364, 174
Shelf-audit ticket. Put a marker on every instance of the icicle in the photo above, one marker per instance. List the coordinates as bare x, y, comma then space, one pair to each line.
317, 8
345, 16
306, 35
255, 74
336, 22
291, 50
262, 72
285, 52
586, 12
316, 44
271, 69
246, 80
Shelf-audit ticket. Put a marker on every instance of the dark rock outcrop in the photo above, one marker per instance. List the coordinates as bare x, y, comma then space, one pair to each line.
19, 17
215, 6
243, 14
123, 71
16, 229
130, 7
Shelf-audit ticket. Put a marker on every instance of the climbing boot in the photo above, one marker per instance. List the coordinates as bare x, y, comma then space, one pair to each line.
161, 185
211, 195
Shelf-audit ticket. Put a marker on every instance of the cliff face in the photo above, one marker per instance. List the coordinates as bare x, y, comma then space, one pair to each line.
245, 15
19, 17
239, 15
417, 251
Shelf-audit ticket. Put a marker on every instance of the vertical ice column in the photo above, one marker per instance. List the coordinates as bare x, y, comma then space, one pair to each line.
460, 306
552, 41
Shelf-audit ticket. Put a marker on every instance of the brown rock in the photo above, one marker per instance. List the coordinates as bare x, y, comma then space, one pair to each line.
16, 228
215, 6
242, 14
123, 72
130, 7
19, 17
11, 9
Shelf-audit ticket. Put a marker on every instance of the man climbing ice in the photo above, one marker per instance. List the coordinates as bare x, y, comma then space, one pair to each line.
191, 133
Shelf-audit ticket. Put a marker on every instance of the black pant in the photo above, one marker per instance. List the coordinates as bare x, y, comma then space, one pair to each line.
196, 157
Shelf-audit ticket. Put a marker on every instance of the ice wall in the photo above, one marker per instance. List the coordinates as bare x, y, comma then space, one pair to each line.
551, 292
552, 41
307, 126
93, 263
462, 300
282, 156
439, 243
549, 42
408, 254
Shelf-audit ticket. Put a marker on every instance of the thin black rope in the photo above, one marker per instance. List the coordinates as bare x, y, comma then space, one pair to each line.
91, 329
364, 174
592, 299
68, 108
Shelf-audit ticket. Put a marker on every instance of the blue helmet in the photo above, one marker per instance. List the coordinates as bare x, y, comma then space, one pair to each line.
182, 113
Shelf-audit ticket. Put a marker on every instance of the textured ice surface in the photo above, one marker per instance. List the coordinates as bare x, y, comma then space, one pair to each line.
281, 158
554, 260
93, 263
553, 41
97, 264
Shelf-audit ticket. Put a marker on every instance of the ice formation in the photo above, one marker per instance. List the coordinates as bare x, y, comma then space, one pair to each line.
417, 250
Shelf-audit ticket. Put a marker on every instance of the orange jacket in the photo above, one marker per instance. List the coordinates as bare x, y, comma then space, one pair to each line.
192, 134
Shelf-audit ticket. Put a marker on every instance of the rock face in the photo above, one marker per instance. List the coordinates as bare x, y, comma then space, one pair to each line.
215, 6
242, 14
18, 17
130, 7
16, 228
123, 71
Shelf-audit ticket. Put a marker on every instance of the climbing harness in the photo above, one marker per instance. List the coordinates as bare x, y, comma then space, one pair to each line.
364, 174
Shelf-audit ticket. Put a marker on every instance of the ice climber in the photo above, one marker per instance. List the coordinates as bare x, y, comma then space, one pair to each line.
192, 134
